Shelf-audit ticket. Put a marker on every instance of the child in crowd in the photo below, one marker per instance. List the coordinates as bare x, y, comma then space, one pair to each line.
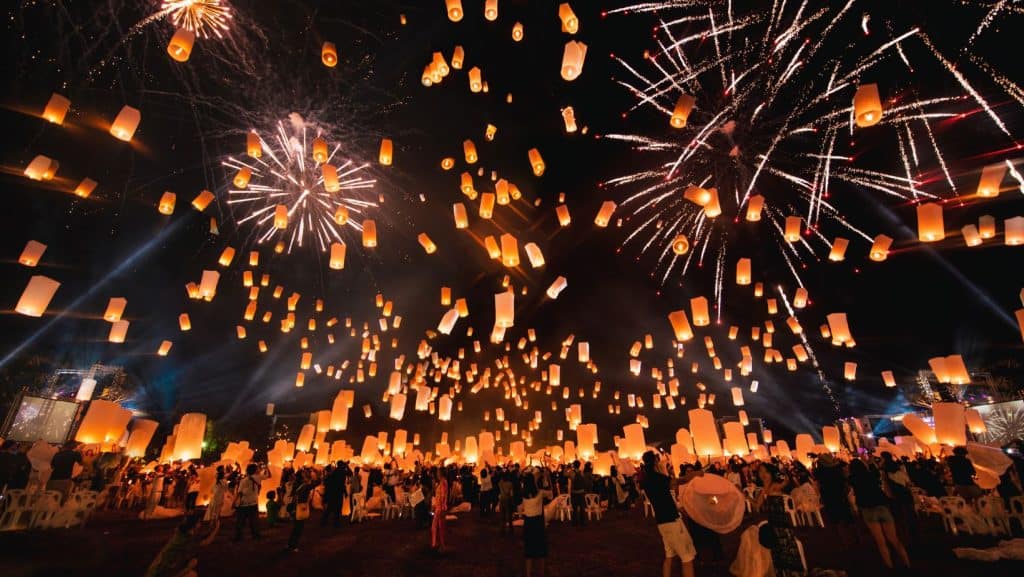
273, 509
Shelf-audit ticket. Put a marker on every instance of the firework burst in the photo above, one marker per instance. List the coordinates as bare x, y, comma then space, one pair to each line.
205, 18
761, 127
289, 171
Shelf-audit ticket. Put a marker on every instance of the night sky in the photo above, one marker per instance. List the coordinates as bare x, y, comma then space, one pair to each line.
924, 301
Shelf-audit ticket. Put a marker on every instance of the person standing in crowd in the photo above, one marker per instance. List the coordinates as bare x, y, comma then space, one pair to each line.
299, 507
334, 495
486, 487
962, 470
15, 468
506, 501
874, 508
192, 489
178, 557
217, 500
439, 525
674, 536
355, 487
247, 502
834, 489
535, 540
577, 495
63, 466
897, 481
273, 509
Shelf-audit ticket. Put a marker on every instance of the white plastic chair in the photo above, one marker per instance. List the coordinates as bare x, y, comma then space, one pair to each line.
1017, 510
358, 508
790, 509
45, 509
17, 513
392, 510
992, 511
77, 510
953, 514
750, 492
648, 508
593, 505
562, 508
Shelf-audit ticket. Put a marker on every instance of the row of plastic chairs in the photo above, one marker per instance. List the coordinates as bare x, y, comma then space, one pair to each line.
44, 510
986, 516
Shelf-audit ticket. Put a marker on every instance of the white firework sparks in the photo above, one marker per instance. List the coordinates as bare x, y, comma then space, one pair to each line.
287, 174
204, 18
772, 117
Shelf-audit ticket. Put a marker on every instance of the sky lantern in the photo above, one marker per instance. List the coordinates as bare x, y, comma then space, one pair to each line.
754, 207
517, 32
320, 153
188, 438
253, 146
125, 124
32, 253
487, 205
562, 211
633, 443
85, 188
428, 245
202, 200
184, 322
1014, 235
572, 60
385, 156
536, 162
466, 183
56, 108
329, 54
570, 23
830, 438
888, 379
115, 308
454, 8
330, 175
369, 233
929, 222
475, 83
447, 163
950, 424
504, 309
469, 151
166, 204
991, 180
451, 316
337, 261
208, 284
241, 179
792, 231
838, 252
36, 296
839, 329
735, 440
397, 407
987, 226
104, 423
706, 442
680, 325
712, 208
604, 214
493, 250
971, 235
867, 105
699, 309
491, 10
743, 271
490, 131
557, 287
118, 331
737, 396
535, 255
180, 46
800, 298
141, 434
880, 248
280, 217
850, 371
975, 424
40, 168
226, 256
509, 250
681, 113
569, 119
458, 56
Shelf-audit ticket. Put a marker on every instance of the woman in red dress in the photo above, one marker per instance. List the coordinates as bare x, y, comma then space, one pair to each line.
438, 527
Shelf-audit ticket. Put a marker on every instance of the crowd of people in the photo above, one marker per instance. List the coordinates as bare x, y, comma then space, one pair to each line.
877, 490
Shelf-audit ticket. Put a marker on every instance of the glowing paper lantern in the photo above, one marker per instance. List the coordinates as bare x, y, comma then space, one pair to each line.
570, 23
475, 83
509, 250
125, 124
563, 215
115, 308
184, 322
504, 309
867, 105
975, 424
569, 118
337, 261
850, 371
104, 423
1014, 235
706, 442
735, 439
491, 10
991, 180
56, 108
385, 155
536, 162
454, 8
680, 245
743, 271
448, 322
680, 325
469, 151
604, 215
165, 347
458, 56
397, 407
840, 329
41, 168
141, 434
633, 443
950, 424
534, 254
680, 114
557, 287
280, 217
699, 308
188, 437
971, 235
737, 396
517, 32
572, 60
36, 296
921, 431
32, 253
754, 207
880, 248
167, 202
329, 55
85, 188
888, 379
792, 232
180, 46
241, 179
118, 331
428, 245
929, 222
830, 438
838, 252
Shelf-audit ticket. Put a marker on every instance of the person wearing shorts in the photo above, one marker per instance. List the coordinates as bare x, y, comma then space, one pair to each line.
673, 532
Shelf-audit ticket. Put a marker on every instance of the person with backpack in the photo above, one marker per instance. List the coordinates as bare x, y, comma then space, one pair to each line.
247, 502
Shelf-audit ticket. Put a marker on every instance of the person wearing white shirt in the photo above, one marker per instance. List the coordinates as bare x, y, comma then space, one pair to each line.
248, 500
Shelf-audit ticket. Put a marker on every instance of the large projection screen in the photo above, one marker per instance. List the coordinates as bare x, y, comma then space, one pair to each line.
39, 418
